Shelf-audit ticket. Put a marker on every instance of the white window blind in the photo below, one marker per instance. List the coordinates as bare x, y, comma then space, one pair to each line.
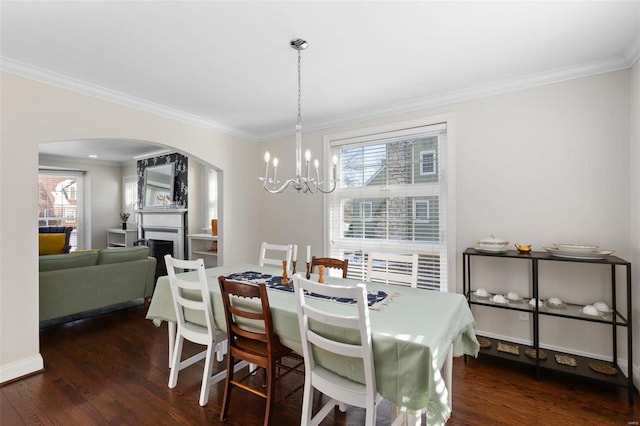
392, 197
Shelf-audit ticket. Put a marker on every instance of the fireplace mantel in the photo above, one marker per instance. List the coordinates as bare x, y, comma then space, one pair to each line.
166, 224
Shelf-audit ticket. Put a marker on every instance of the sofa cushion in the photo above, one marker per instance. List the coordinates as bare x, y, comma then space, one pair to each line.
67, 261
122, 254
51, 243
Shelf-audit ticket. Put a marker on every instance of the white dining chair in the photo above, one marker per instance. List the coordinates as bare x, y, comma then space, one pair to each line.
391, 268
198, 303
339, 389
283, 252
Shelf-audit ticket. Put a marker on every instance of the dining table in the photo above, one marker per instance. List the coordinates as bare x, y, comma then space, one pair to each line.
415, 332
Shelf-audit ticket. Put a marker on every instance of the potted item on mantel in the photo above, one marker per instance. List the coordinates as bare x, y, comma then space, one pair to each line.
124, 217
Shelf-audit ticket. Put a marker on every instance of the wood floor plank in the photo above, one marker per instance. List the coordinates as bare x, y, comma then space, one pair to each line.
113, 370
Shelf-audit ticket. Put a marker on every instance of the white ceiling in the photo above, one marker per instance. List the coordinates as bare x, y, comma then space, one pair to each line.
227, 65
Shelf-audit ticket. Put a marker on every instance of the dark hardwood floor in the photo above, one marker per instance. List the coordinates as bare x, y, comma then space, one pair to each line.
113, 369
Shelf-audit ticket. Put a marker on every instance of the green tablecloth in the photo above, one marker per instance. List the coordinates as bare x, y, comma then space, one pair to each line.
412, 335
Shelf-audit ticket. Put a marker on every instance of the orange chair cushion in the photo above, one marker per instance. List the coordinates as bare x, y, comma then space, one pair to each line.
51, 243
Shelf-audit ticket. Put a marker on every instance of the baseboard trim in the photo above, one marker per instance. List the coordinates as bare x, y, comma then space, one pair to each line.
19, 369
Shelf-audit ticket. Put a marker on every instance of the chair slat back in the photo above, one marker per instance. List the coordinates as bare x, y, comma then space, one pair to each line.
190, 295
391, 268
358, 321
284, 252
330, 262
237, 300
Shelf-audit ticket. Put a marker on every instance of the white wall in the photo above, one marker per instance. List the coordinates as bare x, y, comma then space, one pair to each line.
540, 166
34, 113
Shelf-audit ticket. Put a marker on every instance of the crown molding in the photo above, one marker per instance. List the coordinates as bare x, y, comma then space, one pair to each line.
624, 61
50, 77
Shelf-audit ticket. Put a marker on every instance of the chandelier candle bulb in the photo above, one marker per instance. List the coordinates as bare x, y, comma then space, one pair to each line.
307, 156
308, 254
275, 170
295, 252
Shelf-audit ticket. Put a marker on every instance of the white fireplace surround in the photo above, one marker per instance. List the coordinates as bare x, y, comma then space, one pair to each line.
165, 224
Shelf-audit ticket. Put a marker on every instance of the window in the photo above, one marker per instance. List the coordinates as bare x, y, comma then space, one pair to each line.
427, 163
60, 201
392, 196
421, 211
130, 195
212, 193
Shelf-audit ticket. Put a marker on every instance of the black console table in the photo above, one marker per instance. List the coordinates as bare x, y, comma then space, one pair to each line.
616, 318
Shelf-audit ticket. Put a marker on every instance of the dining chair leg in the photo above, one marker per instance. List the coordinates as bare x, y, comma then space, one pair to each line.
370, 416
227, 388
307, 403
206, 375
171, 334
270, 384
175, 362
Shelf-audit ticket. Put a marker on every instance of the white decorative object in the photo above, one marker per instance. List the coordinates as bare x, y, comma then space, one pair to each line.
590, 310
576, 248
498, 298
602, 307
532, 302
513, 296
492, 244
554, 301
481, 292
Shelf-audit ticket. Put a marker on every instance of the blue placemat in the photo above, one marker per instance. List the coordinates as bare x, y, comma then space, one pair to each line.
375, 299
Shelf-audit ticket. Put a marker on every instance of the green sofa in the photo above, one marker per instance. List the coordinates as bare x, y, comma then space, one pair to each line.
82, 281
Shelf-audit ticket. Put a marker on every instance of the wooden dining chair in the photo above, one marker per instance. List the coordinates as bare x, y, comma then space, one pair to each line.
284, 252
196, 302
391, 268
339, 389
247, 313
330, 262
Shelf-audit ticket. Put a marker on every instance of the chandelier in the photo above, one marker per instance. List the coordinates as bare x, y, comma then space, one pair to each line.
308, 183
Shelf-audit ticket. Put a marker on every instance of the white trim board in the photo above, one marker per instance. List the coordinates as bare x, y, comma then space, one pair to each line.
615, 63
17, 369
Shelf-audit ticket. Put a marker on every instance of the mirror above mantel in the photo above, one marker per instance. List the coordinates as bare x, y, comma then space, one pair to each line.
158, 186
165, 185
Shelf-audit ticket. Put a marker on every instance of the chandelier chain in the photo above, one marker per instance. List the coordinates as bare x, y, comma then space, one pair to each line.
299, 123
